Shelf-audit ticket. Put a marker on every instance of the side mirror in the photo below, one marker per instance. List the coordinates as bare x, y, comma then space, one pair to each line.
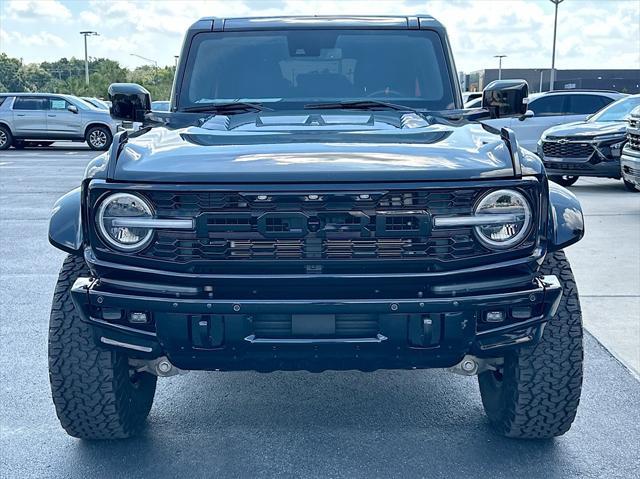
527, 114
505, 98
129, 102
73, 109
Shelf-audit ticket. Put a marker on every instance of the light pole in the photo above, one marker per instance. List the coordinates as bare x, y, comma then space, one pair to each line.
86, 57
499, 57
155, 63
175, 57
552, 76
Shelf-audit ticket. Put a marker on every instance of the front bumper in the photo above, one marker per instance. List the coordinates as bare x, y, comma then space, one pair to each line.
630, 166
317, 334
602, 169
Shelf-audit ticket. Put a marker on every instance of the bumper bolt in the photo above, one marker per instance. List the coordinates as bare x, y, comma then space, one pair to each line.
468, 366
175, 305
100, 299
236, 307
164, 367
394, 307
532, 298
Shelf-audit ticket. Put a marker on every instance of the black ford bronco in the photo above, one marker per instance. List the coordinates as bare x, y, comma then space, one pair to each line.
316, 198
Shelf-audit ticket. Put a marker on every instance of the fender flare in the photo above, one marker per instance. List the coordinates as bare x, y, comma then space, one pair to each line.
566, 221
65, 223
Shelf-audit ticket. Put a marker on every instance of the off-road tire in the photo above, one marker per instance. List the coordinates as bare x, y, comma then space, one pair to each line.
564, 180
536, 394
98, 138
6, 139
630, 186
94, 393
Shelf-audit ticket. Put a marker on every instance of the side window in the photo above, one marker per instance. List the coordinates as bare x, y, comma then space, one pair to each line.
551, 105
30, 103
2, 99
58, 104
586, 104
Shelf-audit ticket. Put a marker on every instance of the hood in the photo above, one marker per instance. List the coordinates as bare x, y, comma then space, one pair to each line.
586, 130
316, 147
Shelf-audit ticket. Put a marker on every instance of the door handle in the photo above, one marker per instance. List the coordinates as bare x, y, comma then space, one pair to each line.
52, 116
20, 114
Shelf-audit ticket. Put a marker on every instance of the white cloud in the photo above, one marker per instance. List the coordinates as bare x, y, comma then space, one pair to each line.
36, 9
40, 39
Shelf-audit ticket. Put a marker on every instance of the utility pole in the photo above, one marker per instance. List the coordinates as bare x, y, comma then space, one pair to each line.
86, 56
175, 57
499, 57
552, 76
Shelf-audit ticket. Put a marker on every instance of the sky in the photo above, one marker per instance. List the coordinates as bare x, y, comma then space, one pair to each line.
591, 33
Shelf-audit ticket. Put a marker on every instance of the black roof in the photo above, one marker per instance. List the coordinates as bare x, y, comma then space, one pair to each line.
318, 21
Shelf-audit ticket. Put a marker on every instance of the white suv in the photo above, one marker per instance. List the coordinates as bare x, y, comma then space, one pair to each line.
554, 108
43, 118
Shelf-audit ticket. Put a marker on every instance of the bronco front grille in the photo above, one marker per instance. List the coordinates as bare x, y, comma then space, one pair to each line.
319, 226
566, 150
316, 231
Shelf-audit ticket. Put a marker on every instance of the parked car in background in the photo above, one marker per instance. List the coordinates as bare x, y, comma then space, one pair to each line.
160, 105
48, 117
96, 102
554, 108
630, 161
467, 96
475, 103
588, 148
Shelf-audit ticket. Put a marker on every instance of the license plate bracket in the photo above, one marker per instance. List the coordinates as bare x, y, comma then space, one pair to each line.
313, 325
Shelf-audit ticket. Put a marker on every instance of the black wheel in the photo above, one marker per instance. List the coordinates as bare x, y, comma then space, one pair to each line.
564, 180
536, 393
630, 186
95, 392
98, 138
5, 137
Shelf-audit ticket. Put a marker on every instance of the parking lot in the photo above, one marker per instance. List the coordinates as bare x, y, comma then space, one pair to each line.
334, 424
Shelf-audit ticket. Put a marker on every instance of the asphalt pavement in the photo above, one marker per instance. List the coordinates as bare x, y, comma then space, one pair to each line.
334, 424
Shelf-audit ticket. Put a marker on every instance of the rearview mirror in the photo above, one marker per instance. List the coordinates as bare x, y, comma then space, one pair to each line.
72, 108
505, 98
129, 102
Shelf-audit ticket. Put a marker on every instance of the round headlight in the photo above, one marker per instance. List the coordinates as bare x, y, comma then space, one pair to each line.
514, 208
118, 208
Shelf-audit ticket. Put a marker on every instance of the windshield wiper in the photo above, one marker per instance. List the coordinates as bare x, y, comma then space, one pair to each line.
359, 105
229, 107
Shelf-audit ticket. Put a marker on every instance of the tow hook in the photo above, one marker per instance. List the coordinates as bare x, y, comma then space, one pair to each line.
161, 367
471, 365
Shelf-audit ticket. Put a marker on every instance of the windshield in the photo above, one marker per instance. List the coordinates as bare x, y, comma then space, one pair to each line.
618, 110
296, 67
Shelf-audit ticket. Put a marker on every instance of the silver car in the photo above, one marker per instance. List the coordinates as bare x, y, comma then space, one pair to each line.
43, 118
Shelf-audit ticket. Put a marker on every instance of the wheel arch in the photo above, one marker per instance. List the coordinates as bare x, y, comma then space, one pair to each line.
65, 223
566, 221
96, 123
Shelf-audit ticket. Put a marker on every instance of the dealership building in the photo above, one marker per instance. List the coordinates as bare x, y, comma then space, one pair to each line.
626, 81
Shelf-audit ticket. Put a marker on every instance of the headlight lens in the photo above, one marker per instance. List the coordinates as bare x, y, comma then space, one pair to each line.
504, 202
124, 205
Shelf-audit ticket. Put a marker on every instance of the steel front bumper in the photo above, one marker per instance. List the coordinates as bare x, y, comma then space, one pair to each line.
630, 167
266, 335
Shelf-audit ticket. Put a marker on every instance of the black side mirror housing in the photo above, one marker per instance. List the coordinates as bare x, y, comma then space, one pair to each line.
129, 102
505, 98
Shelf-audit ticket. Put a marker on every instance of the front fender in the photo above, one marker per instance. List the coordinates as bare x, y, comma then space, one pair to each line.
566, 222
65, 223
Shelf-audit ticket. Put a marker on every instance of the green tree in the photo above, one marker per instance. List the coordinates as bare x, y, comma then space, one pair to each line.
10, 74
